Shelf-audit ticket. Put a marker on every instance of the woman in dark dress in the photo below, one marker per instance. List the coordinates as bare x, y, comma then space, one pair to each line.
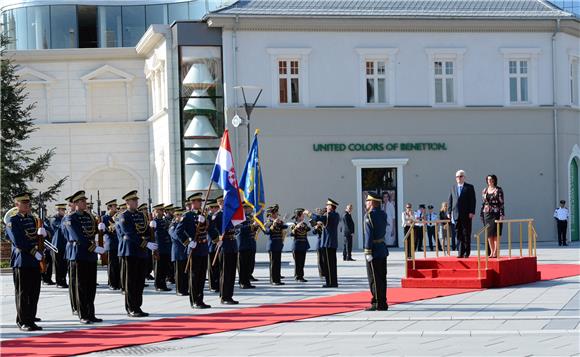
492, 209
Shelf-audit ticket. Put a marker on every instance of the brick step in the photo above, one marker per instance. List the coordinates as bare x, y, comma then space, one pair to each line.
457, 283
448, 273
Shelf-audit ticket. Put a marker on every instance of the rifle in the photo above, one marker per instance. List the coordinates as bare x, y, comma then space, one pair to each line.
40, 239
151, 230
100, 239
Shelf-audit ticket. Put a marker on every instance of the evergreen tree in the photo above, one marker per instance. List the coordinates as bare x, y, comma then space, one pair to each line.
20, 167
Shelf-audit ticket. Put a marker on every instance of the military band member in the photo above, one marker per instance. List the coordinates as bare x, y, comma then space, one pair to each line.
163, 240
228, 254
22, 230
329, 242
275, 230
245, 236
300, 233
178, 255
143, 208
59, 241
133, 250
107, 226
192, 231
82, 228
376, 252
215, 222
317, 228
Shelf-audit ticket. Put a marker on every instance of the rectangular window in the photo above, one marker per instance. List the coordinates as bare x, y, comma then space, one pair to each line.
574, 82
444, 74
110, 26
133, 24
155, 14
289, 81
38, 27
376, 81
518, 81
63, 26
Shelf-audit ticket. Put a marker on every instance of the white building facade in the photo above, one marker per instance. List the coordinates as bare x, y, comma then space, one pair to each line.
355, 101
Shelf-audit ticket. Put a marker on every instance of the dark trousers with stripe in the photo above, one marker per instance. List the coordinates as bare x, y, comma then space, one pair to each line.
60, 268
26, 293
330, 259
135, 268
162, 270
252, 262
114, 270
227, 275
72, 286
299, 259
377, 276
197, 271
275, 267
86, 288
213, 272
244, 267
322, 267
181, 285
47, 275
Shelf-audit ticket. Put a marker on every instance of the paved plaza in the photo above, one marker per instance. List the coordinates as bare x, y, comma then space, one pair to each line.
535, 319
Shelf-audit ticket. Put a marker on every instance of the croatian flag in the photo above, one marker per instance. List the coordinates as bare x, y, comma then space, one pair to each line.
224, 175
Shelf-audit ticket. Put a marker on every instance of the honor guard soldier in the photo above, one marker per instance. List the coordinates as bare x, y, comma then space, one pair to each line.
163, 241
348, 232
178, 255
300, 233
133, 250
143, 208
192, 231
376, 252
59, 241
317, 228
119, 233
111, 240
329, 242
245, 236
275, 229
82, 228
24, 233
214, 223
48, 259
69, 253
561, 216
168, 216
228, 254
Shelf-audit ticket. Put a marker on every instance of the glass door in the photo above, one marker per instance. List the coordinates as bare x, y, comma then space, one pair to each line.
383, 181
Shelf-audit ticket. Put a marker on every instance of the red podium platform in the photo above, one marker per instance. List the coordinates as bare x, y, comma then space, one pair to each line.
452, 272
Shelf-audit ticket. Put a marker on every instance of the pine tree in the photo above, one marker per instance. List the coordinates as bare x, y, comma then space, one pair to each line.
20, 167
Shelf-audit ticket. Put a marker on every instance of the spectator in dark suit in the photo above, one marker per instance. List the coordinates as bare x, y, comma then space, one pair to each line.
348, 231
462, 210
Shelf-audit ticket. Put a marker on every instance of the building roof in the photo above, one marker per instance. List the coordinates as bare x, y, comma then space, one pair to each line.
394, 8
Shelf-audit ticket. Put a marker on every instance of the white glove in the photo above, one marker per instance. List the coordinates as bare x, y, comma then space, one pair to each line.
369, 257
152, 246
38, 256
106, 236
192, 244
200, 219
99, 250
41, 232
153, 224
102, 227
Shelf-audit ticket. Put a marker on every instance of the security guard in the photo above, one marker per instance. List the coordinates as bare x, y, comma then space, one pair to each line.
59, 241
214, 224
133, 250
275, 229
561, 216
300, 233
192, 232
163, 240
107, 226
245, 236
22, 230
376, 252
228, 254
82, 229
329, 243
178, 255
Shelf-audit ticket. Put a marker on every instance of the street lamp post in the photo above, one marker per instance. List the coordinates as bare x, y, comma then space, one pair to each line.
249, 106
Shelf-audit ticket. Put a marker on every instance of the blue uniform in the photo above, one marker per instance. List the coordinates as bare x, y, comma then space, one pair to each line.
178, 249
330, 231
375, 230
81, 228
162, 237
300, 234
22, 233
58, 238
245, 234
111, 238
276, 241
213, 230
133, 229
187, 231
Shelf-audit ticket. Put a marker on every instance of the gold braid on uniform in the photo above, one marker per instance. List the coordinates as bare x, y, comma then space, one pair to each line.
141, 229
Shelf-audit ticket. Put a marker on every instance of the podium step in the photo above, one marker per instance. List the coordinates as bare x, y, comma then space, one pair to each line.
448, 273
457, 283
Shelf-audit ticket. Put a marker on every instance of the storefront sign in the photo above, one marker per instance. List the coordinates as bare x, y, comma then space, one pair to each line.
380, 147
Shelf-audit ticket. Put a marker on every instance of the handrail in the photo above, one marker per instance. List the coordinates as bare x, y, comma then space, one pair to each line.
477, 239
411, 233
531, 238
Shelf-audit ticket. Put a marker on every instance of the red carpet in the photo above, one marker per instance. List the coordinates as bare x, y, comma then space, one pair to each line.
105, 338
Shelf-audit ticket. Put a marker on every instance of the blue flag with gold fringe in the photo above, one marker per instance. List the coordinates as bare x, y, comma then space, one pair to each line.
251, 183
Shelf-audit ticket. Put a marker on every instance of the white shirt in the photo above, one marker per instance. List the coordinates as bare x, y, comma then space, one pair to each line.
561, 214
432, 217
419, 216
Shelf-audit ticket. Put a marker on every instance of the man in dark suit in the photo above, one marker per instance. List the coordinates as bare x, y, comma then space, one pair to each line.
348, 231
462, 210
